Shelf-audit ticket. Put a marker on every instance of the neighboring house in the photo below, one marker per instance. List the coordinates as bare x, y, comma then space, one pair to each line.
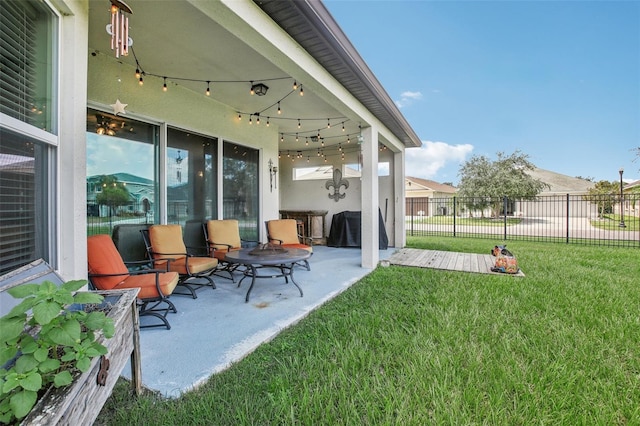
222, 101
632, 198
427, 197
552, 201
140, 190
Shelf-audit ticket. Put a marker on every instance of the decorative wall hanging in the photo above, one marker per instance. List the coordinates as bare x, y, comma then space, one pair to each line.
118, 29
337, 182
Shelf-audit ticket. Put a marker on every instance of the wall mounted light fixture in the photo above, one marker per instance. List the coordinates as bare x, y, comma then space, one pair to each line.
273, 171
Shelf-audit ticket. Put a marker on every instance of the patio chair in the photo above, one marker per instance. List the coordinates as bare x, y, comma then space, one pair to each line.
165, 245
130, 245
285, 233
107, 271
222, 236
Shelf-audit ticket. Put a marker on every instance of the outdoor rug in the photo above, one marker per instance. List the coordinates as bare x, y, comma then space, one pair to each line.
447, 260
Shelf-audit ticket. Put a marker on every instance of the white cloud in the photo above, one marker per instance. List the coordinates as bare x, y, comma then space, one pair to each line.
426, 161
407, 98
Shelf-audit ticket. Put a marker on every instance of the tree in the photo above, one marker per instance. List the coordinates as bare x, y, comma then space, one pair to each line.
113, 194
603, 195
483, 182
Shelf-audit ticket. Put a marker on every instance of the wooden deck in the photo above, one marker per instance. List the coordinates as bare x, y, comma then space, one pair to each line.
448, 260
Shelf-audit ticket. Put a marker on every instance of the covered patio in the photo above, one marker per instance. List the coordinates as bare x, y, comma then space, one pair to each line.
210, 333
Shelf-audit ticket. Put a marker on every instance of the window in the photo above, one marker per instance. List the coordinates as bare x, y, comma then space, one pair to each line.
241, 188
26, 83
121, 171
27, 89
191, 177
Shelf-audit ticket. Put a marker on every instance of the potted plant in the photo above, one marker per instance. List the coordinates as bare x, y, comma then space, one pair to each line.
49, 340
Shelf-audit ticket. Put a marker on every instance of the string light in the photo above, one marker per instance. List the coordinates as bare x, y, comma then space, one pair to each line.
295, 85
279, 110
251, 91
267, 121
250, 122
208, 92
298, 123
301, 91
258, 119
328, 123
138, 74
141, 80
164, 86
296, 137
239, 117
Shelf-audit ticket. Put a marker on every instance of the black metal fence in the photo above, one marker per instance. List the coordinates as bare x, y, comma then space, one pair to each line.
575, 219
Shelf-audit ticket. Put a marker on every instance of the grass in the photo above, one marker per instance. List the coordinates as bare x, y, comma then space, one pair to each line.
612, 222
418, 346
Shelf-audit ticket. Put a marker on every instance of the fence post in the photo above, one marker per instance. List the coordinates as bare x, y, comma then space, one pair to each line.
454, 215
504, 210
411, 215
567, 240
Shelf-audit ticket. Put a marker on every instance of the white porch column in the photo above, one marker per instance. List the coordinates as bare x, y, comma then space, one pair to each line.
370, 224
71, 226
400, 232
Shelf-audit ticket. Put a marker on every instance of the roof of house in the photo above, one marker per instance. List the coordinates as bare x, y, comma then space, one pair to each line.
126, 178
312, 26
560, 183
430, 185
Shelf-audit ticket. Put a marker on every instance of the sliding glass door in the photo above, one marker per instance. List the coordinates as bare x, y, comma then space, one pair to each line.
241, 188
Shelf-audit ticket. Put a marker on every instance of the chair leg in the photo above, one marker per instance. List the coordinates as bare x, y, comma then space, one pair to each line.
151, 308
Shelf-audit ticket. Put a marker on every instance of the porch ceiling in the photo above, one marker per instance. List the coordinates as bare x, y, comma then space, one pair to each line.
174, 39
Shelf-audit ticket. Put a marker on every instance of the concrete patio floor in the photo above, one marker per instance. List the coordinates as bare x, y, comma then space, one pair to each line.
216, 330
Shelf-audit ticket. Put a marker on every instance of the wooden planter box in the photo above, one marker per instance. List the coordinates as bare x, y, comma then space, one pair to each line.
81, 402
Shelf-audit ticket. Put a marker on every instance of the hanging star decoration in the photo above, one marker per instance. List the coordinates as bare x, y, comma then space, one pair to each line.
118, 107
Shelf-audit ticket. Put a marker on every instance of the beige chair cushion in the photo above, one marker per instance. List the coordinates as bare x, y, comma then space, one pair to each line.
285, 230
225, 231
166, 241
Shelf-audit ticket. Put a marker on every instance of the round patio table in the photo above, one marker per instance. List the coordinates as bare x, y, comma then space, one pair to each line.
282, 260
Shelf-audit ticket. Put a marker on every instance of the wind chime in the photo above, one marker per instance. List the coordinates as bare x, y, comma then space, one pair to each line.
118, 29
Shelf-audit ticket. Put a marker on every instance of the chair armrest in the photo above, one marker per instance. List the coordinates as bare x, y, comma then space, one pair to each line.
276, 240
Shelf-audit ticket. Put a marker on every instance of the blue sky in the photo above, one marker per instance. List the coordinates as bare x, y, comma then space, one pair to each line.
558, 80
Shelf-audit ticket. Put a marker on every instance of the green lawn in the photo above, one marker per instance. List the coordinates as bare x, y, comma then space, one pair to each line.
408, 346
612, 222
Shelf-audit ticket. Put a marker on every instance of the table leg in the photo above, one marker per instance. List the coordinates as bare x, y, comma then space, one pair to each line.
292, 280
253, 280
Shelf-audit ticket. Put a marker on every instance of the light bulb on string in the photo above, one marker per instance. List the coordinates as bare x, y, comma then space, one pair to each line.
140, 80
208, 91
164, 86
279, 110
281, 137
267, 121
343, 126
239, 117
252, 92
328, 123
298, 123
295, 85
250, 122
301, 91
138, 74
296, 137
258, 119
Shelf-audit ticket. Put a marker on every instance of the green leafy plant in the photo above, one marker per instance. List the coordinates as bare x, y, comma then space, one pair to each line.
45, 341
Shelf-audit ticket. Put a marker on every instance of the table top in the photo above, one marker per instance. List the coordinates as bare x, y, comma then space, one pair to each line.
246, 257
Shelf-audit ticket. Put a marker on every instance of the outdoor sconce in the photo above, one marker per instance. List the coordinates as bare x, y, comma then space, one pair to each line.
259, 89
273, 171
